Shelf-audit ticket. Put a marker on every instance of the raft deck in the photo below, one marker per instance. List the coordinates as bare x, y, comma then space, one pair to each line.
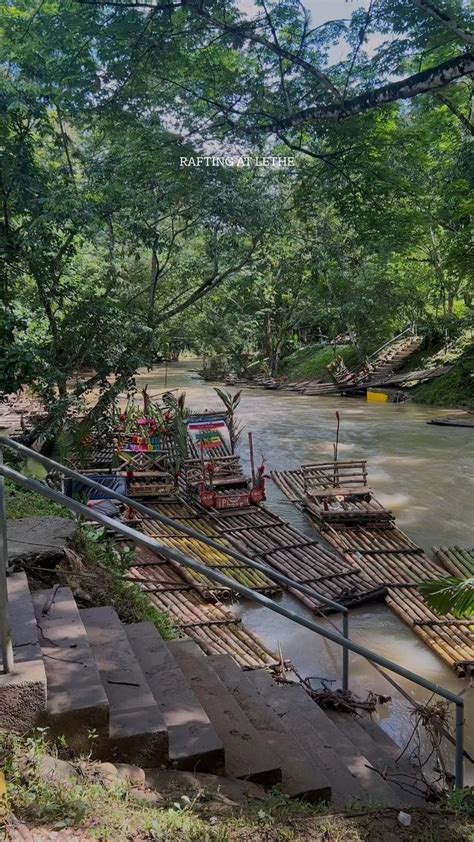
391, 560
454, 421
195, 603
206, 621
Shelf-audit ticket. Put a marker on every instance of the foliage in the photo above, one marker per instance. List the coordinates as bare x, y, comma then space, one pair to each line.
231, 403
96, 568
119, 812
114, 254
450, 596
452, 389
312, 361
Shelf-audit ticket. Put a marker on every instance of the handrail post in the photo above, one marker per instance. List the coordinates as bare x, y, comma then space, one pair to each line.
459, 757
5, 635
345, 652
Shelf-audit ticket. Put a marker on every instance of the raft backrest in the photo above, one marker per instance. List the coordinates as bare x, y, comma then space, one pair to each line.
335, 474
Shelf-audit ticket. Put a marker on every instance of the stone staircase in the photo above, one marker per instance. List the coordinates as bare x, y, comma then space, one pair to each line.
139, 699
394, 358
389, 361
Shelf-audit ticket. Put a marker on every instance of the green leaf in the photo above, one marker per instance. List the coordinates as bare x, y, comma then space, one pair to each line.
450, 596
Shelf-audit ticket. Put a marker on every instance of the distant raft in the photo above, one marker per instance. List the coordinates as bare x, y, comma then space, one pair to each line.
454, 421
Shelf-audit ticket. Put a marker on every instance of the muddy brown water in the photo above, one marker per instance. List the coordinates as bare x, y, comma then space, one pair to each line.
423, 473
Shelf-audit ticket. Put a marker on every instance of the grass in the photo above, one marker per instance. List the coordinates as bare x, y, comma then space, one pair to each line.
24, 503
87, 809
456, 388
310, 362
93, 570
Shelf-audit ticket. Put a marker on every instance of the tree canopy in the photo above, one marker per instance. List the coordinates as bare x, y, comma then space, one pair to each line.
113, 253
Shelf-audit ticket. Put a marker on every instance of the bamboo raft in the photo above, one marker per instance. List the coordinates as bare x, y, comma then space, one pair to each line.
262, 535
454, 421
211, 625
459, 561
195, 602
183, 512
390, 560
17, 413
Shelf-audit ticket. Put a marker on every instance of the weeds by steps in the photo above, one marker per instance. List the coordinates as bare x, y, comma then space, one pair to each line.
119, 812
93, 569
24, 503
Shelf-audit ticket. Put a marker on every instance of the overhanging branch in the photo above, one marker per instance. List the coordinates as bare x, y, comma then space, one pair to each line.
420, 83
211, 283
446, 20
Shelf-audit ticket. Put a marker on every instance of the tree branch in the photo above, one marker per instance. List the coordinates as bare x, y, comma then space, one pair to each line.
441, 17
246, 31
457, 113
209, 284
425, 82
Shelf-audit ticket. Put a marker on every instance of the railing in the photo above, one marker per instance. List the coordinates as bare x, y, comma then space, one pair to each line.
410, 329
152, 514
169, 552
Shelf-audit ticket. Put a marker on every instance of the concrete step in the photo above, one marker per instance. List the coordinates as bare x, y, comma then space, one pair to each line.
302, 777
382, 754
76, 701
346, 768
137, 730
372, 727
193, 742
23, 691
246, 755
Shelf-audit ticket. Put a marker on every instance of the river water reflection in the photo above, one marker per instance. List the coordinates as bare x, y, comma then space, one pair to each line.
423, 473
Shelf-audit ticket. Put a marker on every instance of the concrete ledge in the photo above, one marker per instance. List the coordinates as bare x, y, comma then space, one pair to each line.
302, 778
246, 754
35, 535
193, 742
22, 692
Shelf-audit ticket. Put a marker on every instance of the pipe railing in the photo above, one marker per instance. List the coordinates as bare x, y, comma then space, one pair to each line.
410, 329
175, 555
150, 513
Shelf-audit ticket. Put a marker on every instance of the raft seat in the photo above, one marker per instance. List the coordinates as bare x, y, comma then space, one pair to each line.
229, 481
341, 491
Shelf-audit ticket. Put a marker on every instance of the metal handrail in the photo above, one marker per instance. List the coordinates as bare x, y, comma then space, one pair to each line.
175, 555
410, 329
180, 527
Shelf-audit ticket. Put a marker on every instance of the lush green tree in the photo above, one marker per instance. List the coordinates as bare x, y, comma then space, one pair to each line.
113, 254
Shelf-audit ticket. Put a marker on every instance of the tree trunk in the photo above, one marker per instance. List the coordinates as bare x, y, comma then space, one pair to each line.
267, 338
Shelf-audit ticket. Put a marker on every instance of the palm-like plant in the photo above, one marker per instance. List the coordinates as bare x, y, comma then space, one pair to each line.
231, 403
450, 596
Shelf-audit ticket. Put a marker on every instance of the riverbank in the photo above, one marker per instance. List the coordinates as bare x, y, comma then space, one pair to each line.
454, 389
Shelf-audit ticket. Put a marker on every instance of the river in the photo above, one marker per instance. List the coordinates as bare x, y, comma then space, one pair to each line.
423, 473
